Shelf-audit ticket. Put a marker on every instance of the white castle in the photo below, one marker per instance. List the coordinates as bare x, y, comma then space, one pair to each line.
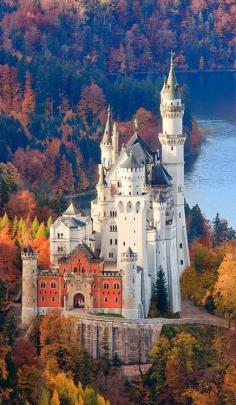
137, 224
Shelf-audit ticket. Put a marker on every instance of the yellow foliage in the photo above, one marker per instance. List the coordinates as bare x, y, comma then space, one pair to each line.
229, 384
202, 398
225, 288
55, 398
65, 387
197, 285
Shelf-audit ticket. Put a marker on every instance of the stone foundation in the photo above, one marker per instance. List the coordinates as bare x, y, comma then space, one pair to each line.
131, 340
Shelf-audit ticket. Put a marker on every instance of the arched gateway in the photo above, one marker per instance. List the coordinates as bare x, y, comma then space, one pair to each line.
79, 301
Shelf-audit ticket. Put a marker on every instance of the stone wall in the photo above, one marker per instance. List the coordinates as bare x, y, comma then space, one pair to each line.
132, 340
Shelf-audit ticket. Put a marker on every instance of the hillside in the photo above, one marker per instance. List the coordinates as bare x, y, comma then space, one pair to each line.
61, 63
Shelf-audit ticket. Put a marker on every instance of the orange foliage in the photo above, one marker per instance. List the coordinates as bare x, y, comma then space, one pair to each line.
42, 247
22, 204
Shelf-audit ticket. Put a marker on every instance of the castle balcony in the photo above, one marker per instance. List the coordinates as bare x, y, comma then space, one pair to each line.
172, 108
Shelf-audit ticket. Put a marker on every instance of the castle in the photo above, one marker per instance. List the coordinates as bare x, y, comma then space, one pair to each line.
108, 263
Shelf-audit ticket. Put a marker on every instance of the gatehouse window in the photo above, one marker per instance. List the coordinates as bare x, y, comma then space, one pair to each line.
75, 269
105, 299
116, 286
53, 284
42, 284
53, 298
106, 286
181, 262
116, 299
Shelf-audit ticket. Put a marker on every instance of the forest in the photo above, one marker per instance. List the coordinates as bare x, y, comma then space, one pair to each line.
63, 62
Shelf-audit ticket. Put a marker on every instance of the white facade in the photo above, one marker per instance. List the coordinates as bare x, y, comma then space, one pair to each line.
138, 215
67, 232
137, 221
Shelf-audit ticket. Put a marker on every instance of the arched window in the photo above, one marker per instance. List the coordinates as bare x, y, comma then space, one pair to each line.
53, 284
120, 206
129, 206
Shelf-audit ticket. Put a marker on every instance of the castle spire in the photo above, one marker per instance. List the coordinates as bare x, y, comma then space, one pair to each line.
172, 84
107, 136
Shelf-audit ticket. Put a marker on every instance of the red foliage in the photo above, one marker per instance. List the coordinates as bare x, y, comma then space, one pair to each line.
22, 204
24, 353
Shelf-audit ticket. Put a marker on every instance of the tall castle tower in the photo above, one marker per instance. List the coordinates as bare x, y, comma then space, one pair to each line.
172, 139
29, 285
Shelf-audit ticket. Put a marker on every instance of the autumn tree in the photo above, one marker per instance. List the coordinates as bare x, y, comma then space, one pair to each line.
28, 103
22, 204
58, 340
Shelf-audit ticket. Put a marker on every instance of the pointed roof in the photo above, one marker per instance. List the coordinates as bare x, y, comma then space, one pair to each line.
107, 136
131, 162
129, 251
171, 86
140, 149
159, 176
70, 211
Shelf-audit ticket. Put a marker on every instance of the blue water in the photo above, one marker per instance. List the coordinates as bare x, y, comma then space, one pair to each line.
211, 183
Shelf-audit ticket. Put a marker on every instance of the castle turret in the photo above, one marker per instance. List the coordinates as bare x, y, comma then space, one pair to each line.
29, 285
131, 285
107, 143
172, 139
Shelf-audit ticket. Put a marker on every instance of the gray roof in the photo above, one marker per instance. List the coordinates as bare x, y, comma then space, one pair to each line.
159, 176
131, 162
71, 210
140, 149
72, 223
107, 136
171, 87
129, 251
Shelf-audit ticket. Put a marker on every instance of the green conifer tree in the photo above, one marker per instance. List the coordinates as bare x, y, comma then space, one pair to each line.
161, 292
4, 221
14, 227
34, 227
41, 231
49, 223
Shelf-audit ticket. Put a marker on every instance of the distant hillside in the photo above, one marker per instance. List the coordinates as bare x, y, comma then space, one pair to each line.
62, 62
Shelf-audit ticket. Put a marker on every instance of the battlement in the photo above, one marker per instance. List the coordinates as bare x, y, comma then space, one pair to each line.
28, 254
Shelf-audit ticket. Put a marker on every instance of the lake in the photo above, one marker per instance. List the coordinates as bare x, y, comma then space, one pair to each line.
211, 182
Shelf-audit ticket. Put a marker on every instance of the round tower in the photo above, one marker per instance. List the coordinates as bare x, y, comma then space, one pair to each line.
131, 285
172, 140
29, 285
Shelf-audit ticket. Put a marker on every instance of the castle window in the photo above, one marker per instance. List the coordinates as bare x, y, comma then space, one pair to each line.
75, 269
83, 270
181, 262
115, 241
42, 298
179, 214
179, 189
42, 284
110, 255
61, 235
53, 284
105, 299
116, 299
123, 243
58, 236
106, 286
180, 245
110, 241
172, 148
53, 298
116, 286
